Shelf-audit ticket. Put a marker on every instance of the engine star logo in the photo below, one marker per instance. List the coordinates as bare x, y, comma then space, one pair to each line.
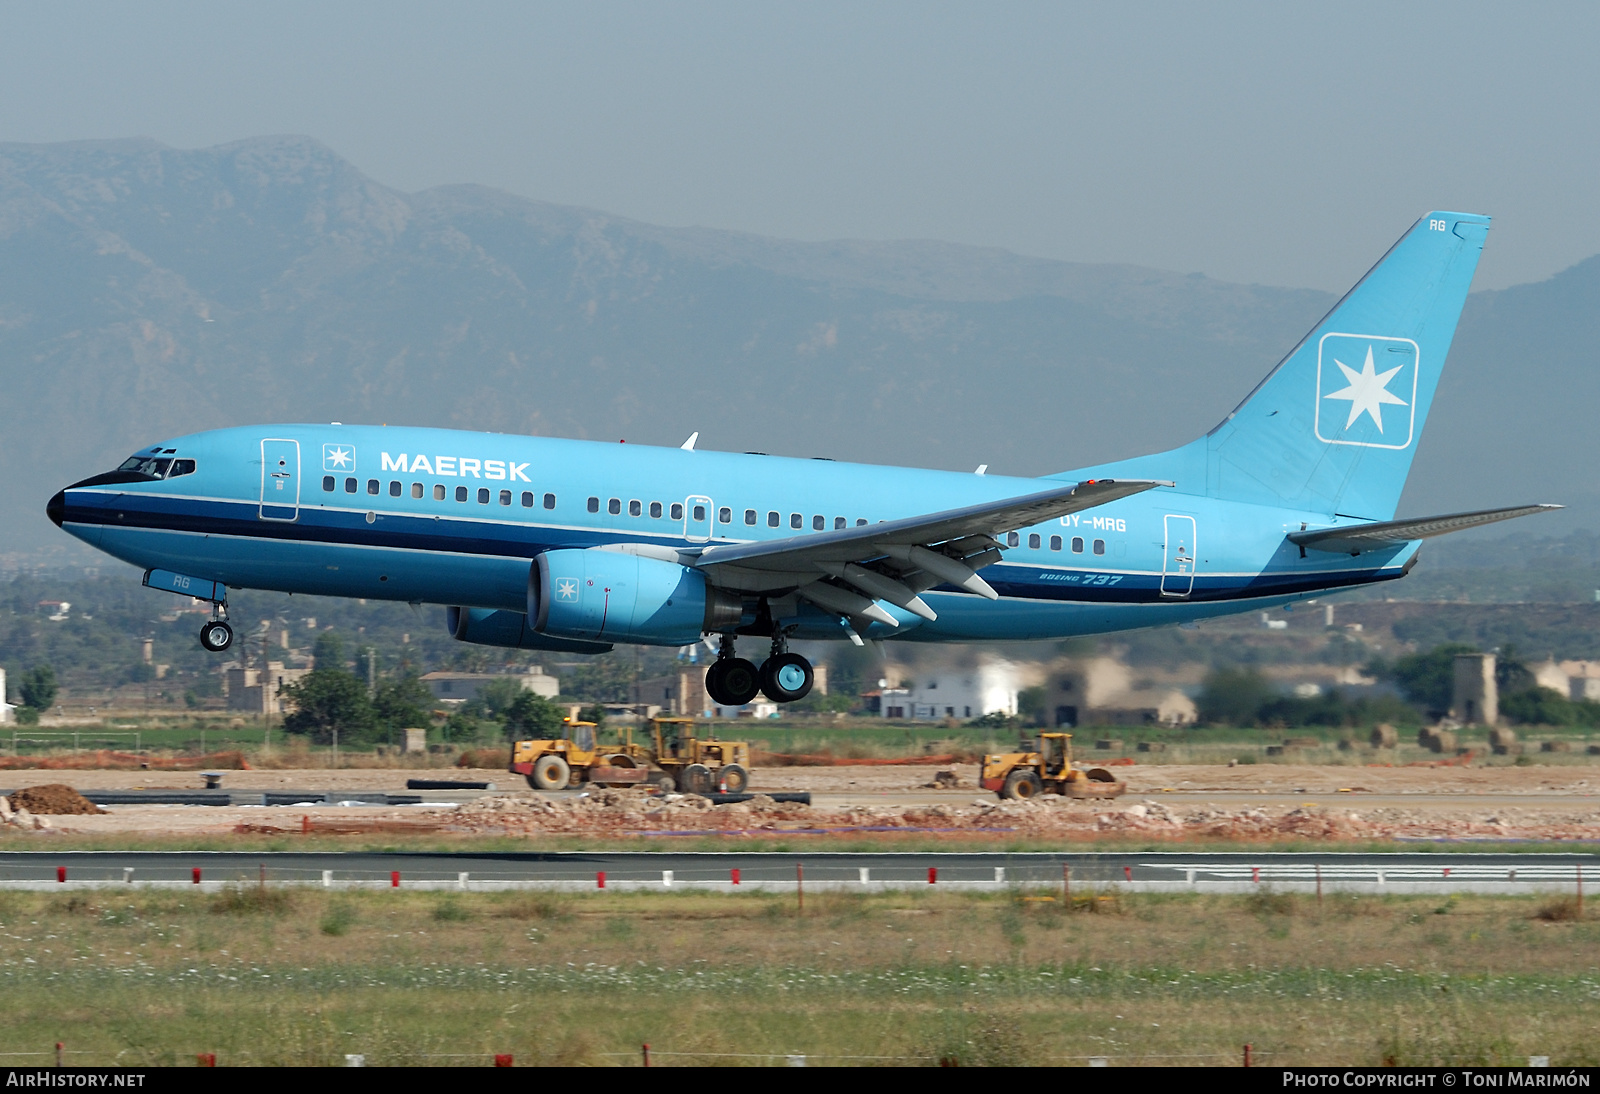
338, 457
566, 589
1387, 378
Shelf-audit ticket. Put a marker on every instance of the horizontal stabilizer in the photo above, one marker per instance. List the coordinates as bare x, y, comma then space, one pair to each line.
1356, 538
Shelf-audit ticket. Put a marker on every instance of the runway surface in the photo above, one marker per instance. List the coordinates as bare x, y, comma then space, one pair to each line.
1404, 872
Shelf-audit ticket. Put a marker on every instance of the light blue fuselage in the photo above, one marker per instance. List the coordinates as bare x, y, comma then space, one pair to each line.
257, 513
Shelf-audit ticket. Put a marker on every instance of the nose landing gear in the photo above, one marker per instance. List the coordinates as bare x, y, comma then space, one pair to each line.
216, 636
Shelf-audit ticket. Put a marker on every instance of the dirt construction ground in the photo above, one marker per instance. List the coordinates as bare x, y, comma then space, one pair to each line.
1248, 802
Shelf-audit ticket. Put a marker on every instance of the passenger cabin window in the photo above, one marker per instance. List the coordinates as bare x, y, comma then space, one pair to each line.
795, 520
838, 523
1055, 543
549, 501
594, 505
724, 516
677, 510
861, 522
349, 486
394, 488
483, 495
655, 510
1033, 542
818, 523
699, 512
461, 493
773, 520
505, 497
438, 491
750, 517
614, 507
1099, 546
416, 490
327, 483
1077, 545
373, 486
1012, 539
527, 499
635, 508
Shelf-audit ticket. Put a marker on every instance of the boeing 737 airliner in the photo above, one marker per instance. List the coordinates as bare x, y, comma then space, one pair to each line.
573, 545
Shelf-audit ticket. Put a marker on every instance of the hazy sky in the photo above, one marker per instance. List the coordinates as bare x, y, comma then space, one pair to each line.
1286, 144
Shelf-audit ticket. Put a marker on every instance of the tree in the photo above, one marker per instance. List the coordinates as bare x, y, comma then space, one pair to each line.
326, 700
533, 716
1429, 678
498, 696
328, 650
38, 688
401, 704
595, 714
1234, 697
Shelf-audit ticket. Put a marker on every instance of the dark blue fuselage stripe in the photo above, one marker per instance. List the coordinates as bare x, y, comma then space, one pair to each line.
509, 539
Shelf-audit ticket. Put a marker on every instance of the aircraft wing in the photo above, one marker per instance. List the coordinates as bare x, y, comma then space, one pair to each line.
1366, 537
895, 560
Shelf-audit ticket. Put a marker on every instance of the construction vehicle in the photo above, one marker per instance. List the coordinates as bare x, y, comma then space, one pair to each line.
675, 758
578, 757
697, 765
1046, 769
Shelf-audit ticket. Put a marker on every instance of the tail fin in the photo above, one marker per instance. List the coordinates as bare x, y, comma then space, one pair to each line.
1334, 426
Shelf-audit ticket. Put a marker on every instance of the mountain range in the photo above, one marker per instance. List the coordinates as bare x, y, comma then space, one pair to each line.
147, 291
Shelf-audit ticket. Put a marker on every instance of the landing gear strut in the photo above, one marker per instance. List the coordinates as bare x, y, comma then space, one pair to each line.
216, 635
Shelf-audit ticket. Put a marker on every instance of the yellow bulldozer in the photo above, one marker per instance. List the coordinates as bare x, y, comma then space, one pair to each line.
577, 756
675, 757
1047, 769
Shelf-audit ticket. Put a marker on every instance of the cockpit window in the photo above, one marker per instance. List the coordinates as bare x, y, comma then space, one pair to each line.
158, 467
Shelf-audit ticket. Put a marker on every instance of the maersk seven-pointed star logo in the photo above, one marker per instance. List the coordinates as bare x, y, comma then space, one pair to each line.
1358, 376
566, 589
338, 457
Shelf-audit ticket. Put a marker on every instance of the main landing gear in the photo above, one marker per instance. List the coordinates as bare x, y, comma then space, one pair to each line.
216, 635
784, 677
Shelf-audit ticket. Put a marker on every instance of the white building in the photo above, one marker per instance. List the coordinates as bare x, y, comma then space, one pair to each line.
458, 687
933, 695
8, 713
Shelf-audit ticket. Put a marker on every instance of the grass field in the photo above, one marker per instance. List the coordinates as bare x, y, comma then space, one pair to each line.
285, 977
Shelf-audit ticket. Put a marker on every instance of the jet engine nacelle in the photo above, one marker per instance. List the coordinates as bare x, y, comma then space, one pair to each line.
487, 627
614, 596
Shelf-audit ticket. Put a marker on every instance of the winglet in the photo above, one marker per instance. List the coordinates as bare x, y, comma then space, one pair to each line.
688, 445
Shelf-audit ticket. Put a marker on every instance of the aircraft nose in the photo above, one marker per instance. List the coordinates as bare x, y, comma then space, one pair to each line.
55, 507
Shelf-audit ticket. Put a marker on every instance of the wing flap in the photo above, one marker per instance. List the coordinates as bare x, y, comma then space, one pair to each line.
802, 554
1366, 537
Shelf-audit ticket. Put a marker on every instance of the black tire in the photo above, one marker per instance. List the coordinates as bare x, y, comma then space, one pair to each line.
550, 772
695, 779
1022, 785
741, 682
733, 779
664, 783
216, 636
714, 685
786, 677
